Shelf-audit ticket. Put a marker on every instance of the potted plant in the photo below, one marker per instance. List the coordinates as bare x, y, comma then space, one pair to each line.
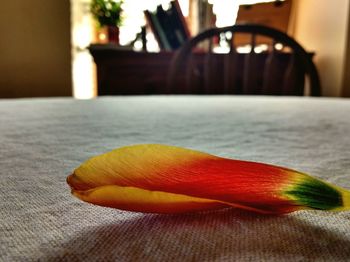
108, 14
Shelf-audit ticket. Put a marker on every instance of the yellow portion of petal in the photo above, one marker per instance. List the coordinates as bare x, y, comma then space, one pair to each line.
345, 197
123, 165
140, 200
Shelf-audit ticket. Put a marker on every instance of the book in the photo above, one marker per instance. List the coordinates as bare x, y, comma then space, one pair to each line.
168, 26
178, 22
157, 30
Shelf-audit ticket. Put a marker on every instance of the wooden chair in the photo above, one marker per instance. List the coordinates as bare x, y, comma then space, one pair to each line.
276, 71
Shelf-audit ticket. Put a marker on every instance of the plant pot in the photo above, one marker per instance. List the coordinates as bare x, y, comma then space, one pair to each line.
113, 34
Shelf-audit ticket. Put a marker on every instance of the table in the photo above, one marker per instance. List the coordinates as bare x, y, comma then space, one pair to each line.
43, 140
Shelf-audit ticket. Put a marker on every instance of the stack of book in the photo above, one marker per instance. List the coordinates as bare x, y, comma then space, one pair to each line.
169, 26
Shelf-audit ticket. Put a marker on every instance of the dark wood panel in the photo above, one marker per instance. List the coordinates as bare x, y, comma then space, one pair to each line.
125, 72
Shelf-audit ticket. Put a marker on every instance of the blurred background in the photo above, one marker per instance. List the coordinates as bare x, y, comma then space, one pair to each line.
44, 43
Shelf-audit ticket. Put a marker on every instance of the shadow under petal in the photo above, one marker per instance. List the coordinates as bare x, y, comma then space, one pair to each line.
229, 235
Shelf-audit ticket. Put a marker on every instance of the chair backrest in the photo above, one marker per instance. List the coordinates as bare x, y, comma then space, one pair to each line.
275, 71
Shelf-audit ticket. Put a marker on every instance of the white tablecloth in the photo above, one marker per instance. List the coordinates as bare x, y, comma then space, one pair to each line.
43, 140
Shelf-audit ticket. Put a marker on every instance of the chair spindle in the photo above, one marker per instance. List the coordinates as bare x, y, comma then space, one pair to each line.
249, 75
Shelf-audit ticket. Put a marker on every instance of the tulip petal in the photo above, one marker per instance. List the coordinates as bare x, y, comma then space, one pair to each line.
167, 179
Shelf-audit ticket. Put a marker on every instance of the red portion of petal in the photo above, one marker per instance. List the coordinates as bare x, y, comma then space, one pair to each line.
245, 183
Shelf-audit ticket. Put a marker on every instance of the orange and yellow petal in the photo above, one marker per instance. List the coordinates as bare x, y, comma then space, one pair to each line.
163, 179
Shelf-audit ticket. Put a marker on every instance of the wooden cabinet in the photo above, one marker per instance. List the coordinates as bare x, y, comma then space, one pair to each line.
122, 71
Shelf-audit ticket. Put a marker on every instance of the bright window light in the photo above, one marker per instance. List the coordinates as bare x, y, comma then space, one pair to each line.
226, 11
82, 35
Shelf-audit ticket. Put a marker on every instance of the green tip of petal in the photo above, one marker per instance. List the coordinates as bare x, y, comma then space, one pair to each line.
315, 194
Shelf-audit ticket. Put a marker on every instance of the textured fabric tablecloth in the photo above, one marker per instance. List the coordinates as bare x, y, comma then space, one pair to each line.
43, 140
